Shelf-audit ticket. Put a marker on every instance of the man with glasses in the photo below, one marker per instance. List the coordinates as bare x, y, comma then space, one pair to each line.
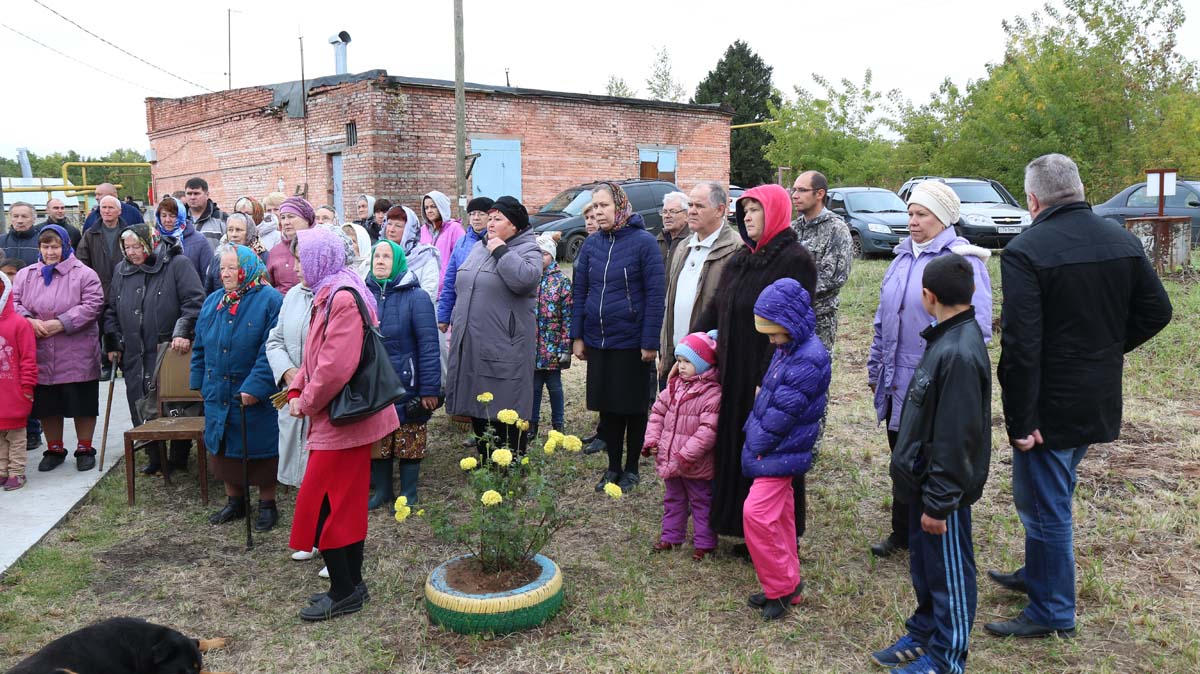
827, 237
674, 216
694, 269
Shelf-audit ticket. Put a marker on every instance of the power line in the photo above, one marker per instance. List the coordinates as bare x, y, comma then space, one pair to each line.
79, 61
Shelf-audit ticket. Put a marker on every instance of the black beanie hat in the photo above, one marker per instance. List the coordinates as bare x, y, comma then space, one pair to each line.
513, 210
480, 204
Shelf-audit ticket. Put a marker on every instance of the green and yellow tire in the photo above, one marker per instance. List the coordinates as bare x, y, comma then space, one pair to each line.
500, 612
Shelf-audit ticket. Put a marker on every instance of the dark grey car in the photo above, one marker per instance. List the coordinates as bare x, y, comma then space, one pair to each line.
878, 219
1132, 202
564, 213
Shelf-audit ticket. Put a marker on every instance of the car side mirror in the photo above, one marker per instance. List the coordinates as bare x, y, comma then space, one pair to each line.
840, 211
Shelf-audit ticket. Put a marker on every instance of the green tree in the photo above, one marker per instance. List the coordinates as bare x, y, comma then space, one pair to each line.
742, 80
662, 85
618, 87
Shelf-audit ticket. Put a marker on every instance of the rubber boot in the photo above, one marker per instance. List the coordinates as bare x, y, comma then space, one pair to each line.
381, 474
410, 471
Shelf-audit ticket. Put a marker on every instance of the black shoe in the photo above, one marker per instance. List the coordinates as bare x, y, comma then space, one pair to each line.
886, 548
106, 373
32, 441
326, 608
51, 460
361, 589
85, 461
628, 482
268, 515
759, 599
609, 476
587, 439
1024, 628
235, 509
595, 446
152, 468
741, 551
1009, 581
774, 609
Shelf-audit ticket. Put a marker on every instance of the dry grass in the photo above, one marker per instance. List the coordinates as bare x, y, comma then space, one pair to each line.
1138, 539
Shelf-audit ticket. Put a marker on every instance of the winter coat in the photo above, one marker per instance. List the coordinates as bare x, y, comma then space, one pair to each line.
743, 353
281, 267
21, 245
553, 319
722, 251
95, 252
445, 301
18, 362
331, 356
944, 445
620, 289
447, 238
786, 419
149, 304
667, 244
197, 249
411, 337
285, 350
229, 357
1079, 293
211, 225
494, 342
74, 297
683, 426
900, 318
130, 214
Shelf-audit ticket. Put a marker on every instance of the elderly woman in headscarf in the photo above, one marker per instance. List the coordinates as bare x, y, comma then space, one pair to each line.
364, 209
619, 300
494, 340
230, 368
171, 222
424, 260
362, 247
239, 231
268, 233
295, 215
62, 299
153, 302
331, 508
439, 229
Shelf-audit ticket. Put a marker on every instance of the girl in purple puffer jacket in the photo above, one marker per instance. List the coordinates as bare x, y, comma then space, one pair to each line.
780, 435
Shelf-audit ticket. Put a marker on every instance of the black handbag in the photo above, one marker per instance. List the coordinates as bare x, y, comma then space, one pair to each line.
374, 384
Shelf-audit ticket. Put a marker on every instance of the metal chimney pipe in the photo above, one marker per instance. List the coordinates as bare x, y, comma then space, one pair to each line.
339, 43
23, 159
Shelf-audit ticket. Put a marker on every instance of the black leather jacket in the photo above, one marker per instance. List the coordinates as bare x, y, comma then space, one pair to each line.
944, 445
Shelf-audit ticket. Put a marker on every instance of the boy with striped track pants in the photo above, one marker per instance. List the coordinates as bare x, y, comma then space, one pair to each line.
939, 466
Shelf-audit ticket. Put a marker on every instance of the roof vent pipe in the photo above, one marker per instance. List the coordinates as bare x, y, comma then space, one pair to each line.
339, 43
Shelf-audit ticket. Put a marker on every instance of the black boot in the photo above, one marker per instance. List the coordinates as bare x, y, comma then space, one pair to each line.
268, 515
381, 474
51, 460
85, 458
235, 509
177, 455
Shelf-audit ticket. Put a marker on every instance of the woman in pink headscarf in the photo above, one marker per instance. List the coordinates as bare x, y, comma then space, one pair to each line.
331, 508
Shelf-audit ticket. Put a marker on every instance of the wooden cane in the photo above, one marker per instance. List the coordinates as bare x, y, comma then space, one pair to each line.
112, 383
246, 475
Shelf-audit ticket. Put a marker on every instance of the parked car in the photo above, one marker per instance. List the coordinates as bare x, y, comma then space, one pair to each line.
990, 215
564, 213
1132, 202
734, 193
878, 219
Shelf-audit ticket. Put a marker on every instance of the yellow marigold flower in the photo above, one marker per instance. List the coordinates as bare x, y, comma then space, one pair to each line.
550, 446
491, 497
509, 417
485, 397
613, 490
524, 460
421, 512
557, 436
469, 463
402, 513
502, 457
572, 443
522, 425
401, 502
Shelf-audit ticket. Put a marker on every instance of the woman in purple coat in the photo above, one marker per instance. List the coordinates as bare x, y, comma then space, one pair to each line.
897, 346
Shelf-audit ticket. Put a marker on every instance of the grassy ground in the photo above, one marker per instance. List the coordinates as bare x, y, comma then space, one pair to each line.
1137, 524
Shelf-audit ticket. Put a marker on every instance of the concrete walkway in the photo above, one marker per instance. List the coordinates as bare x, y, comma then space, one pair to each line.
28, 514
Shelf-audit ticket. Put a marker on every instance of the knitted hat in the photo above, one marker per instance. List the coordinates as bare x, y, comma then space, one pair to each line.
548, 242
512, 209
938, 198
480, 204
700, 349
298, 206
768, 327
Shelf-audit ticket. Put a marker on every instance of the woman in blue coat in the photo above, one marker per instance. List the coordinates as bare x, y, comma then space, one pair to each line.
410, 334
230, 367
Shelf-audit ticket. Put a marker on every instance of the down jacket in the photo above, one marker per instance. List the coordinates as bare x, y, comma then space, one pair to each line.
786, 418
410, 336
620, 289
683, 426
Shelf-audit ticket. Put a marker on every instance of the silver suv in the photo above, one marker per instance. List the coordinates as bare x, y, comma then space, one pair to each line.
989, 216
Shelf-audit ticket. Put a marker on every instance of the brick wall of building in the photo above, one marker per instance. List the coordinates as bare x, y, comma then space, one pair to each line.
406, 141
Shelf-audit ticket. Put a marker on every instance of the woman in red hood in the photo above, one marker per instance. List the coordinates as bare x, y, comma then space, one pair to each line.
772, 252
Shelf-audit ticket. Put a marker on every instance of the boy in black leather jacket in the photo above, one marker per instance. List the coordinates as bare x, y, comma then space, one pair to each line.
939, 466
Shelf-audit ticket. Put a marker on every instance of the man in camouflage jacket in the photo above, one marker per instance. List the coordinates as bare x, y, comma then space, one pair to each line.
827, 237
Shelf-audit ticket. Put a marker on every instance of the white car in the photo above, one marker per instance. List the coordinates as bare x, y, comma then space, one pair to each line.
989, 215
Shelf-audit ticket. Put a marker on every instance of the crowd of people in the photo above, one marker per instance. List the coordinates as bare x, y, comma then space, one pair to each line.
709, 348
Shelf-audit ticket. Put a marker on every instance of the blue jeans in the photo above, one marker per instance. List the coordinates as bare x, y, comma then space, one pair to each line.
1043, 484
552, 379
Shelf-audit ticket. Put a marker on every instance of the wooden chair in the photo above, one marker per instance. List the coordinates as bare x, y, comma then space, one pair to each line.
172, 388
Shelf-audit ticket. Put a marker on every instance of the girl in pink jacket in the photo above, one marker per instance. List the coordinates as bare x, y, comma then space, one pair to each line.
681, 435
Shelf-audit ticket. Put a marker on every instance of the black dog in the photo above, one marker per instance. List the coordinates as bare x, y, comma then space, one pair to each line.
120, 646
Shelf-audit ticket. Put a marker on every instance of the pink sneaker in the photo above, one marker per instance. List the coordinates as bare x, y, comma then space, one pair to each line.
14, 482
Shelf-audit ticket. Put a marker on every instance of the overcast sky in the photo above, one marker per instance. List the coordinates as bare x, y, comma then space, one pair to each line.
54, 103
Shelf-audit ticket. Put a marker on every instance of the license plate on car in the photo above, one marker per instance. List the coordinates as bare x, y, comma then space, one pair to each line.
1009, 230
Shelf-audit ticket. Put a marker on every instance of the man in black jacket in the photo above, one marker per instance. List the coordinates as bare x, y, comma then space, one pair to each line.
939, 465
1079, 294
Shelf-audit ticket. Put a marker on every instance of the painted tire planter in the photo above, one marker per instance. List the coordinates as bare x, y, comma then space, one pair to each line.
500, 612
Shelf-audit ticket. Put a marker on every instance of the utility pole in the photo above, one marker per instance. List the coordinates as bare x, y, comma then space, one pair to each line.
460, 110
229, 43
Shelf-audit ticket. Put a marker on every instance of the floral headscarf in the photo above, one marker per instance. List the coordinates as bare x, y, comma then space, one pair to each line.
251, 274
141, 233
323, 261
623, 210
48, 269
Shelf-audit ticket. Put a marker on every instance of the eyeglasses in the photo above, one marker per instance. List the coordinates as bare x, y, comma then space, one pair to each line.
800, 190
673, 212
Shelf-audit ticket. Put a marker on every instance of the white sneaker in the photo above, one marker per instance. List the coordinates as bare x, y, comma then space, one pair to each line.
324, 572
303, 556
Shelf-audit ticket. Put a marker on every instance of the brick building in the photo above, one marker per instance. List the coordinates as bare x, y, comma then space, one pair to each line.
394, 137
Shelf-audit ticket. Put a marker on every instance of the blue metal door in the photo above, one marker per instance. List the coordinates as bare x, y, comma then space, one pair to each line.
337, 187
497, 171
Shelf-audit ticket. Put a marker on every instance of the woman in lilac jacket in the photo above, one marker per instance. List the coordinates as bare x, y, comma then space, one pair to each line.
62, 299
897, 346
